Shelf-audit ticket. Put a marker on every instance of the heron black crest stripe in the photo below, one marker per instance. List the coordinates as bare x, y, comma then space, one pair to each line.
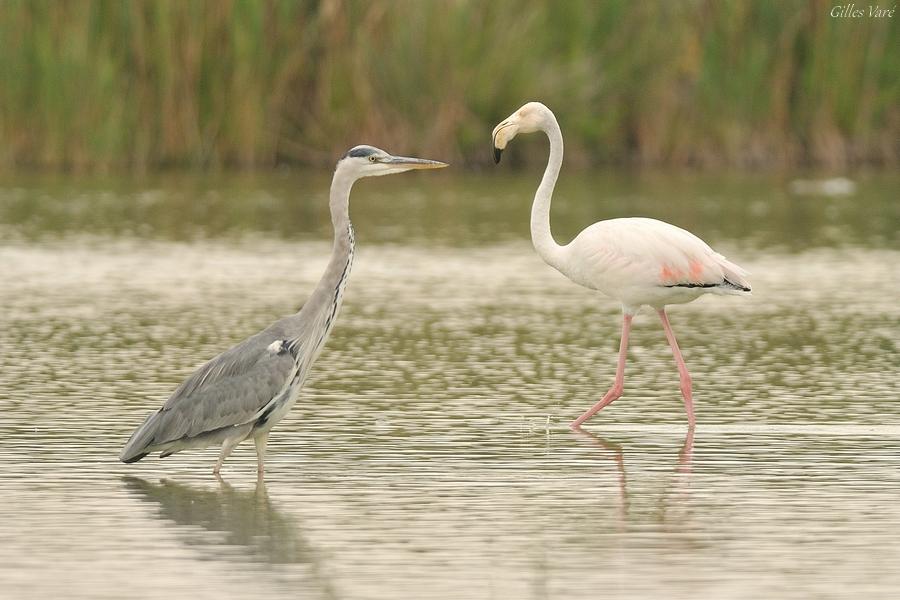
360, 151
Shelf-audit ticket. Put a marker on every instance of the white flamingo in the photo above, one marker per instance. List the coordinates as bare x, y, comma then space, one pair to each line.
637, 261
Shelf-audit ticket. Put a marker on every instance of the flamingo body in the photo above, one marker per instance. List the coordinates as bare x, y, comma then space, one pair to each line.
645, 262
637, 261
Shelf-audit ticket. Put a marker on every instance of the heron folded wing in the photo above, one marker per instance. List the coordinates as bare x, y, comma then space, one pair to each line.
225, 391
234, 361
231, 398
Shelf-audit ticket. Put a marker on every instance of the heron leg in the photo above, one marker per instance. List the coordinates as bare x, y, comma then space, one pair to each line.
261, 441
686, 390
227, 446
616, 390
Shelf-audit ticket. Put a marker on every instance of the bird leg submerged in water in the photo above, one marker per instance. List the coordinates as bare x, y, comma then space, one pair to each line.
261, 441
616, 390
227, 446
619, 385
683, 375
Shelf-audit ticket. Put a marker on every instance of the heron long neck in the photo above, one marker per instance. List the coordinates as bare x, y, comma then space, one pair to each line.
541, 236
330, 288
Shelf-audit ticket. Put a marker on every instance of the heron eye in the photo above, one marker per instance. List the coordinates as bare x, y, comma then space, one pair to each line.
372, 158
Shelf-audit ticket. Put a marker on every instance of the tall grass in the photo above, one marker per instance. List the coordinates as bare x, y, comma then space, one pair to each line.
109, 84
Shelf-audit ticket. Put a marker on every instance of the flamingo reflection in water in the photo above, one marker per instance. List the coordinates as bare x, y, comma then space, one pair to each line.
677, 489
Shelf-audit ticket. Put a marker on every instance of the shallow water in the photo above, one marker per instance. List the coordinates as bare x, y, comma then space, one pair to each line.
429, 455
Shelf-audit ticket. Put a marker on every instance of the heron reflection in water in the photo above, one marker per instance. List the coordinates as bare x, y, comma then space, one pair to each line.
242, 518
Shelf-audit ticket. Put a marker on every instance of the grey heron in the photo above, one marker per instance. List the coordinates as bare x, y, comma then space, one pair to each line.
244, 391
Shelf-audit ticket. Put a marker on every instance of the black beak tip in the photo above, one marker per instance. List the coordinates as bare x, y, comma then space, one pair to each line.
497, 153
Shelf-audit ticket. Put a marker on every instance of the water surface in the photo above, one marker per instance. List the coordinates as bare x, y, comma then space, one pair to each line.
429, 455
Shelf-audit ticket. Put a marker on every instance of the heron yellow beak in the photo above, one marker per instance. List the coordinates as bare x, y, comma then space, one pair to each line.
414, 163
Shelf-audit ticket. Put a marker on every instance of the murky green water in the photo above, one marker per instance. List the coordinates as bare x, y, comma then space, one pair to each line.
429, 455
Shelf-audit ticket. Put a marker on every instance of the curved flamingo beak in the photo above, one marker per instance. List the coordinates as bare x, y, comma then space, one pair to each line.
501, 136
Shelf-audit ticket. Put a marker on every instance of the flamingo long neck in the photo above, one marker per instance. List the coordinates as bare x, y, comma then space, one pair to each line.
541, 236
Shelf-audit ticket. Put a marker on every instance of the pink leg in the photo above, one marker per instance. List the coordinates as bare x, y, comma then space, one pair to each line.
616, 390
682, 368
687, 451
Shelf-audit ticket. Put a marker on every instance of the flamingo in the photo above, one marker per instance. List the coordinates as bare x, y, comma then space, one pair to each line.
637, 261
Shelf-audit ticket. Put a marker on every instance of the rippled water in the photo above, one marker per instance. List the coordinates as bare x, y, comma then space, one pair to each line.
429, 455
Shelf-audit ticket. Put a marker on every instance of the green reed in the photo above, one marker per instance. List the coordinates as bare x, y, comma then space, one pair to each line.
109, 84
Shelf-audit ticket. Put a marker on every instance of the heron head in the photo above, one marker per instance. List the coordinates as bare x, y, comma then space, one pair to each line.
529, 118
369, 161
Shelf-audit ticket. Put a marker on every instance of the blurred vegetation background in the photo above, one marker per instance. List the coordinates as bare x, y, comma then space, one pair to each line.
97, 85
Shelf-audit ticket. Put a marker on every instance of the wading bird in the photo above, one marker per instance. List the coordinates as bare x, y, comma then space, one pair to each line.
637, 261
244, 391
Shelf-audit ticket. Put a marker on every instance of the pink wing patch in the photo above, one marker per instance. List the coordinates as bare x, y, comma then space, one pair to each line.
696, 270
670, 275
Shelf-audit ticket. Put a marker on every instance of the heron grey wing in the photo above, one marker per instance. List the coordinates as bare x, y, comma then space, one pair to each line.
214, 395
225, 401
239, 357
234, 361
